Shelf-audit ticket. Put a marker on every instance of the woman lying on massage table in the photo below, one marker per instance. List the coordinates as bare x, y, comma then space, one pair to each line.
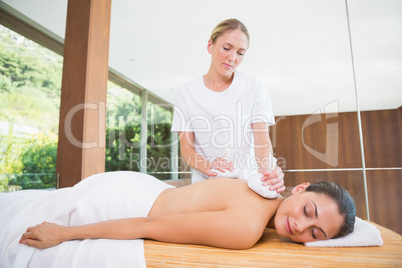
229, 216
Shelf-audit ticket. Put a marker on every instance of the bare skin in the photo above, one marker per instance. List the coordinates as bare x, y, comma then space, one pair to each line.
230, 215
219, 212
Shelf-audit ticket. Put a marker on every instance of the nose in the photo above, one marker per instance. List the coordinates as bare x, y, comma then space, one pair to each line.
303, 224
232, 56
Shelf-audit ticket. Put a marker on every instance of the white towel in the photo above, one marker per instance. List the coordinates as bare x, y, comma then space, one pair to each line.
100, 197
227, 174
364, 235
254, 183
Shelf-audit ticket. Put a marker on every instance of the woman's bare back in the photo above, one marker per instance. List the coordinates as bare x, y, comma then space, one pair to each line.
220, 212
215, 195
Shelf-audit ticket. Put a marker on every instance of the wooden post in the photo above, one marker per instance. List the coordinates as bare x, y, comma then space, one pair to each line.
82, 126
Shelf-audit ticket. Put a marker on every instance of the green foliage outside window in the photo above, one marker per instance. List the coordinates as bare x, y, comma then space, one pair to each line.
30, 82
30, 86
123, 134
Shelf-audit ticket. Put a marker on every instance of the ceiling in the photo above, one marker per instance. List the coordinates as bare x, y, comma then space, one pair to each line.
299, 48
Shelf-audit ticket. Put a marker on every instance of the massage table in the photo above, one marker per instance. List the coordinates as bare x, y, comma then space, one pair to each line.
96, 199
273, 251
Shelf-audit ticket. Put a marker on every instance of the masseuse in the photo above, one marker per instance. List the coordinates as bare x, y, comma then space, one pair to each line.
226, 113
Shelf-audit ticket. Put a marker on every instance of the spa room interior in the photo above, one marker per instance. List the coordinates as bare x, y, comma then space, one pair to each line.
333, 70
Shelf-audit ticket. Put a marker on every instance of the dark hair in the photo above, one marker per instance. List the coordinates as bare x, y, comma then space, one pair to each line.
227, 25
345, 203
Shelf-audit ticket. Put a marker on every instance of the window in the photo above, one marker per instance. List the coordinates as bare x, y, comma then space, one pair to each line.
123, 129
159, 142
30, 83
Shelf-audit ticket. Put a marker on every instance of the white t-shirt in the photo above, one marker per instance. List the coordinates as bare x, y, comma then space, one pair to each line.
222, 120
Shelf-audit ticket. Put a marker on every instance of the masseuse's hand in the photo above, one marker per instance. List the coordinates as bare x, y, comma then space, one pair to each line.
274, 179
44, 235
220, 163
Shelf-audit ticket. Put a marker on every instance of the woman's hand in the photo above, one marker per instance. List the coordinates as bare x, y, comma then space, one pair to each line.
222, 164
274, 178
44, 235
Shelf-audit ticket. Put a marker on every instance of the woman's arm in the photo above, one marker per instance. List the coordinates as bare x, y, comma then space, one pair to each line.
236, 228
262, 149
196, 161
47, 235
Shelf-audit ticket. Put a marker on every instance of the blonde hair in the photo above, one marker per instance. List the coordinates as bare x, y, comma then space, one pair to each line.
228, 25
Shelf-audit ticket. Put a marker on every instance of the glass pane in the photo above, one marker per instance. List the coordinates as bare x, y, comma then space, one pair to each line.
184, 169
123, 129
159, 141
377, 40
376, 34
30, 86
308, 74
17, 182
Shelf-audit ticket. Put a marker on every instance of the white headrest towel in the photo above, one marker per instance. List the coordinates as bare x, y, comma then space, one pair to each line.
364, 235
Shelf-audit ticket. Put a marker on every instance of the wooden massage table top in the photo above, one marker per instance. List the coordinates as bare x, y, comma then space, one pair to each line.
273, 251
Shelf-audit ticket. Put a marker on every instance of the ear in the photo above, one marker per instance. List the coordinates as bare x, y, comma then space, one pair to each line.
300, 187
209, 47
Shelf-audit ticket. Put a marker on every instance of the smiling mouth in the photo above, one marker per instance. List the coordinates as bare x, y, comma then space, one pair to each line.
288, 226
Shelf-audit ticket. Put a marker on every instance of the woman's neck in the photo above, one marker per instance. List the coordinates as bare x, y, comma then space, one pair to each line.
271, 223
217, 82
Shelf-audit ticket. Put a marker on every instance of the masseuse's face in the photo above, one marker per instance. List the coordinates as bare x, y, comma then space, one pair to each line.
228, 51
308, 216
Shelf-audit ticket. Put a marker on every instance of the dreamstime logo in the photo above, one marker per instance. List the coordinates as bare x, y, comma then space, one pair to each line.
330, 156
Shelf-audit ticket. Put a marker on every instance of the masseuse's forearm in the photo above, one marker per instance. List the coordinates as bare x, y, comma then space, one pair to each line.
262, 146
195, 160
262, 159
190, 156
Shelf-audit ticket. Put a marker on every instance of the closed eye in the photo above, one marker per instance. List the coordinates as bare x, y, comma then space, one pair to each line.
305, 211
319, 230
312, 233
312, 229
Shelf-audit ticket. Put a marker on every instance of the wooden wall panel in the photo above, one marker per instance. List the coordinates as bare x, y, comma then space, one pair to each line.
382, 138
382, 135
384, 189
291, 137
